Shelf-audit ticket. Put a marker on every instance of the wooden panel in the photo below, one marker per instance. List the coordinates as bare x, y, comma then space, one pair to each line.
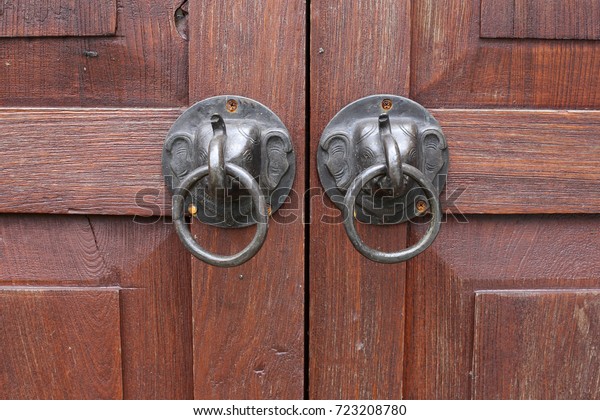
537, 345
60, 344
143, 257
356, 306
108, 161
145, 64
522, 161
84, 160
57, 18
249, 320
44, 250
453, 67
487, 253
541, 19
148, 260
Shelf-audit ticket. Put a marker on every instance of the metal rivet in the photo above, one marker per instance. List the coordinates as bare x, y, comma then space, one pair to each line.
231, 105
386, 104
421, 206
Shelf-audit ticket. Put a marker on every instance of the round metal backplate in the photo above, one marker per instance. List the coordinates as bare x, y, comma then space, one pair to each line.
350, 144
257, 141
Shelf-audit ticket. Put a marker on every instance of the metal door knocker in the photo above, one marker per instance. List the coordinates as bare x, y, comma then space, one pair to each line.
384, 160
229, 162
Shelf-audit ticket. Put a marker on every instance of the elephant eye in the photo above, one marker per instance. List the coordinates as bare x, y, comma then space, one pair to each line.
248, 156
202, 156
367, 155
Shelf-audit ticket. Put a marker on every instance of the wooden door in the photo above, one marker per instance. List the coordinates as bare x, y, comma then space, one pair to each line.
98, 298
506, 302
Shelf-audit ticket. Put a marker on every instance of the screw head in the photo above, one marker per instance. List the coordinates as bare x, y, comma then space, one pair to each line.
231, 105
387, 104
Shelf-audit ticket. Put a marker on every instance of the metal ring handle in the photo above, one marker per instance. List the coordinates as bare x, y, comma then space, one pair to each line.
391, 257
184, 232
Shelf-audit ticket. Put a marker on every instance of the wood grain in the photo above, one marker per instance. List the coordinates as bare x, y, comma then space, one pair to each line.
537, 345
356, 306
149, 262
21, 18
143, 259
84, 160
145, 64
249, 320
453, 67
37, 250
60, 344
108, 161
522, 161
540, 19
487, 253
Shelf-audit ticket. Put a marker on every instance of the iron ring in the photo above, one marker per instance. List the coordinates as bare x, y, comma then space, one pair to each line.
179, 197
399, 256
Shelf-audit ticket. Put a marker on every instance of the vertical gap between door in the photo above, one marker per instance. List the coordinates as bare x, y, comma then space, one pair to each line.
307, 161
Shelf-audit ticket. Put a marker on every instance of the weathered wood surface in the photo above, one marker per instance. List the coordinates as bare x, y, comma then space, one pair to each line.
540, 19
108, 161
144, 64
489, 253
144, 261
537, 344
356, 322
60, 344
451, 66
249, 320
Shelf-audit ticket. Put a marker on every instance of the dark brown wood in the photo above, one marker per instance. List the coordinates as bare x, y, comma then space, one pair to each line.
145, 64
537, 345
144, 261
107, 161
60, 344
453, 67
487, 253
356, 306
57, 18
540, 19
249, 320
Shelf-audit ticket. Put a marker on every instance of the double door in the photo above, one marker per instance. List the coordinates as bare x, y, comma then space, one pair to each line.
99, 299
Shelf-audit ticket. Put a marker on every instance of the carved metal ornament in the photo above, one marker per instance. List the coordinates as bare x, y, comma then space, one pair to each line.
229, 162
382, 129
383, 160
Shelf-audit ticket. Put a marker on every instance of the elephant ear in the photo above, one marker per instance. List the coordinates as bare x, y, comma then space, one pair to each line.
276, 147
339, 159
433, 144
180, 148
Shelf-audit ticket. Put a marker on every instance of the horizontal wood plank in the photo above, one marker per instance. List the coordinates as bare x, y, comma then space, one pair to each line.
536, 344
108, 161
83, 160
24, 18
540, 19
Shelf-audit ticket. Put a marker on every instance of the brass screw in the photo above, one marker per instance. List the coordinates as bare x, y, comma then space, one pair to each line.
421, 206
231, 105
387, 104
192, 209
